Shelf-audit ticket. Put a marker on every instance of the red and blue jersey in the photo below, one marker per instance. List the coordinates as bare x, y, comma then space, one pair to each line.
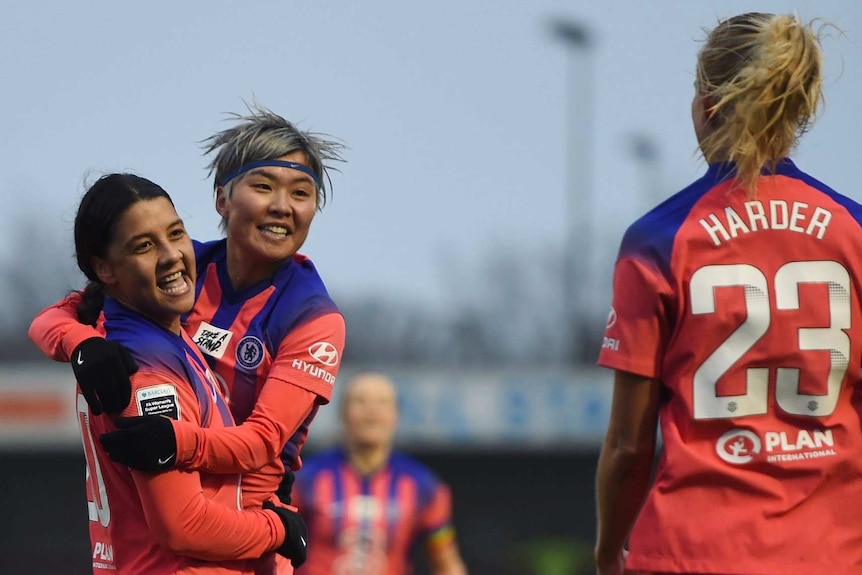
285, 330
747, 309
136, 519
367, 525
275, 347
154, 348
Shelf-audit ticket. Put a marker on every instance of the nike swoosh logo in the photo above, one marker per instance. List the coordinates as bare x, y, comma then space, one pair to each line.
166, 459
80, 360
304, 544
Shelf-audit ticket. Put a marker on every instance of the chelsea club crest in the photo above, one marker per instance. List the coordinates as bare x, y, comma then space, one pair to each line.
249, 352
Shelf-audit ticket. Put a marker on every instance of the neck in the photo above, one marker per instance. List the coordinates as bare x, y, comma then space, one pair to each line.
717, 156
244, 271
368, 459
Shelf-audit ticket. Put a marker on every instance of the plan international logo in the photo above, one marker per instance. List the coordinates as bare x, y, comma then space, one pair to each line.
741, 446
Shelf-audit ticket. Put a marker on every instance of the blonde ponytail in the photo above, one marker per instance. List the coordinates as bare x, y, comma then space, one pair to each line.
762, 76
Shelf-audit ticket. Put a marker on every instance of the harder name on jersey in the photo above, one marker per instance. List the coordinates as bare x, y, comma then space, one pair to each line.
777, 215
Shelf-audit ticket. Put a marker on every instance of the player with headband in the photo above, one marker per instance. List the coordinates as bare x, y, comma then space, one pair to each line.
262, 317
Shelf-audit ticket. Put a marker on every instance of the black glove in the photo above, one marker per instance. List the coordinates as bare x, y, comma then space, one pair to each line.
102, 369
295, 546
145, 443
285, 487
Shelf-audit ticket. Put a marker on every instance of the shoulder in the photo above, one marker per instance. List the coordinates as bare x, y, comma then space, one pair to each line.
150, 346
206, 252
300, 295
853, 208
304, 280
423, 475
429, 487
322, 460
154, 351
651, 238
665, 219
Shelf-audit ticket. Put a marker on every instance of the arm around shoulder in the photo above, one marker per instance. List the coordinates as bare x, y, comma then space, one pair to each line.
279, 410
56, 330
185, 522
180, 516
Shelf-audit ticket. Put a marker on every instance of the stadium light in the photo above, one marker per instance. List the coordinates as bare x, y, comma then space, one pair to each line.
577, 249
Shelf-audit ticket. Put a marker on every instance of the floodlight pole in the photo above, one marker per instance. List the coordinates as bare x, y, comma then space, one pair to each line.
578, 274
645, 152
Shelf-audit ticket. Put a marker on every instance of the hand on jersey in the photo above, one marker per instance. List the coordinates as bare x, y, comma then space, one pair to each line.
295, 546
102, 369
145, 443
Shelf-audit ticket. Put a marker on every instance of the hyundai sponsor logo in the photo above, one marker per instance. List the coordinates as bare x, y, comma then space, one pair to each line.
324, 352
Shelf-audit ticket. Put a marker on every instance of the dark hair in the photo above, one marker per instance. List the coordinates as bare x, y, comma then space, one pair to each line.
100, 210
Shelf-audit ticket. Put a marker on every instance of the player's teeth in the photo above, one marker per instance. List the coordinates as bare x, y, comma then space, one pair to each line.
165, 282
276, 230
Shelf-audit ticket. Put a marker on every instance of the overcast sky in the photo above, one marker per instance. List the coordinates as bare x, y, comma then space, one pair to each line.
454, 112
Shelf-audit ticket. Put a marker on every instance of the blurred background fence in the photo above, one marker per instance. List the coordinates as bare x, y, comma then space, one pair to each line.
518, 448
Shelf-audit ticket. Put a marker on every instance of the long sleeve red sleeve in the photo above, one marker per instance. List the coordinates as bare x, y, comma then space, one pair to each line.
56, 330
286, 399
185, 522
278, 412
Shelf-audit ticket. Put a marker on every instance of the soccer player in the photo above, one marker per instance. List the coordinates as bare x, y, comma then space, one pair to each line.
736, 324
366, 505
134, 249
262, 317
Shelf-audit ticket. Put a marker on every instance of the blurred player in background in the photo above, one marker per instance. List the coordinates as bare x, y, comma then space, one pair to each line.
365, 505
134, 249
736, 323
262, 317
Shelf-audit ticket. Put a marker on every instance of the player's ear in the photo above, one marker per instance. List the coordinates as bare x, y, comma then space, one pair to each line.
221, 202
104, 270
708, 103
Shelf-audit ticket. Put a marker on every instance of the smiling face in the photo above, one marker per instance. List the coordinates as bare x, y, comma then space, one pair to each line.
268, 213
149, 265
